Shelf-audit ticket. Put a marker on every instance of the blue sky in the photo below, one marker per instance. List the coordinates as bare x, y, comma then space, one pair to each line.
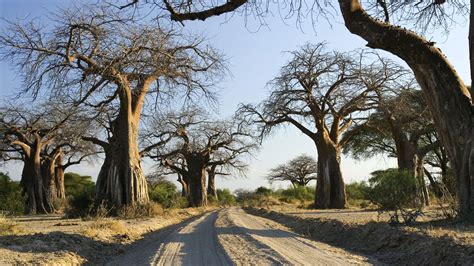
255, 58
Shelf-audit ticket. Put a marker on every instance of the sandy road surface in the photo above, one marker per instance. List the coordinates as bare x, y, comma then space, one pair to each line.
231, 236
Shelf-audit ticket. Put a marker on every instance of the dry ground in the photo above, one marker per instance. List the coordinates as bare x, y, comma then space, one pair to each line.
433, 240
349, 236
229, 236
52, 240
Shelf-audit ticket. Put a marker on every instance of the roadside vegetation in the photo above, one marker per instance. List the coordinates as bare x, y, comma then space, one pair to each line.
11, 197
105, 83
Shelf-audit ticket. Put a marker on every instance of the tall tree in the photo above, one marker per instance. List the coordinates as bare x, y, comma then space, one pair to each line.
447, 97
97, 56
299, 171
321, 94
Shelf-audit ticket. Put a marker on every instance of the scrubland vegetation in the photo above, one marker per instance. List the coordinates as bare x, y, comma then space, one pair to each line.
106, 83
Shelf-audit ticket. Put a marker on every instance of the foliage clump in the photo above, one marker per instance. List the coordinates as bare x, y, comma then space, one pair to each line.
80, 193
356, 193
164, 192
264, 197
395, 191
297, 193
12, 200
263, 191
226, 198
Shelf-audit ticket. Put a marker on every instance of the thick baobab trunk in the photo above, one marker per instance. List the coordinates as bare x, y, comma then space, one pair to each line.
211, 184
37, 200
448, 98
121, 180
330, 190
53, 181
197, 183
49, 180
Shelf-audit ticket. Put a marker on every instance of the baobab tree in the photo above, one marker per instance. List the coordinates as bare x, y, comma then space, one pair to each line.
199, 145
66, 150
25, 134
321, 94
95, 56
448, 98
299, 171
399, 128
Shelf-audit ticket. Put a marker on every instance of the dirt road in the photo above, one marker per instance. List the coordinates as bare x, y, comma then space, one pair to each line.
231, 236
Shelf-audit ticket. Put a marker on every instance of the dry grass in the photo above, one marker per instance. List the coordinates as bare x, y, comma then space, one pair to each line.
8, 227
102, 228
150, 209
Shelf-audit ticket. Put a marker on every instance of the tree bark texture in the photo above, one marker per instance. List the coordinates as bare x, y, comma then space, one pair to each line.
37, 196
121, 180
447, 96
211, 184
49, 177
59, 179
197, 182
330, 190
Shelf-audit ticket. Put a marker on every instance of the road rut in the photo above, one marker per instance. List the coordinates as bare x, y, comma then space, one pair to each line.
231, 236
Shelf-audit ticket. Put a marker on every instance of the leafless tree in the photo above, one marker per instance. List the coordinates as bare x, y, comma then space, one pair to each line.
322, 94
99, 57
299, 171
199, 145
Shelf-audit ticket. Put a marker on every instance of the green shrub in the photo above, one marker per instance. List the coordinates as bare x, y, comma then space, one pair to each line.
80, 194
395, 191
263, 191
180, 202
81, 202
356, 190
165, 193
77, 185
225, 197
300, 193
356, 194
11, 199
261, 197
